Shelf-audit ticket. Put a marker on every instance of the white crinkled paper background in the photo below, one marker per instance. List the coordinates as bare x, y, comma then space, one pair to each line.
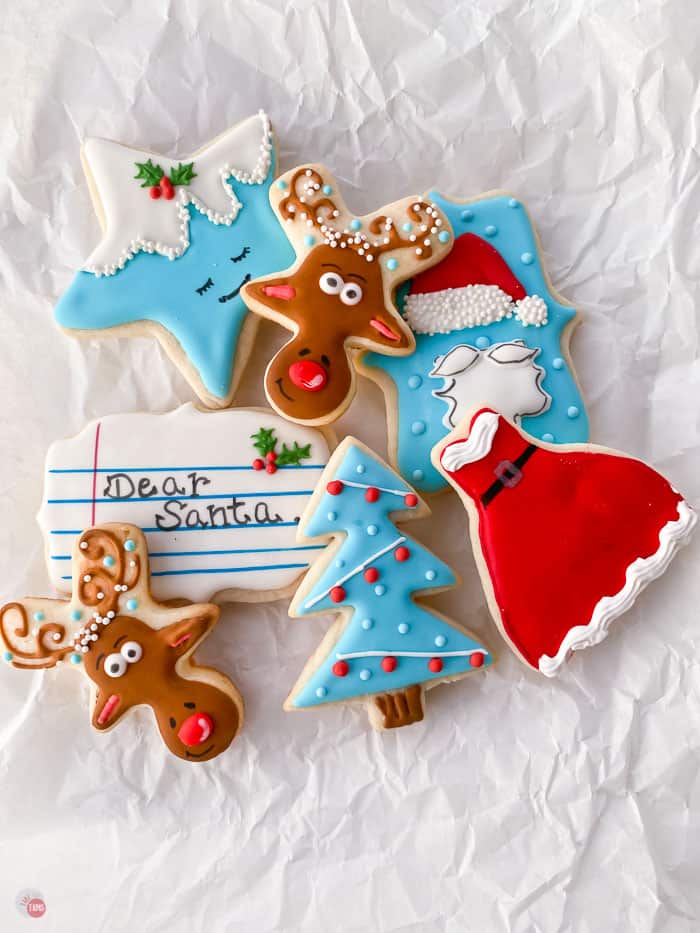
520, 804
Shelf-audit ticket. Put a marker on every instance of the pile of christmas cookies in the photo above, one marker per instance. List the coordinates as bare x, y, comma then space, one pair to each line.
151, 520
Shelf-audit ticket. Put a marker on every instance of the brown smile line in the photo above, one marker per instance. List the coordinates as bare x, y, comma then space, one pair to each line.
199, 754
278, 382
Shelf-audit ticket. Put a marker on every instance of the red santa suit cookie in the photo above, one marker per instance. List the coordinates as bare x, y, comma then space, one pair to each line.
566, 537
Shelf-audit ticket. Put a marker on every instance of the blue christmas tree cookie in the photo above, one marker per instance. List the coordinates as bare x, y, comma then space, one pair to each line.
385, 647
490, 330
180, 239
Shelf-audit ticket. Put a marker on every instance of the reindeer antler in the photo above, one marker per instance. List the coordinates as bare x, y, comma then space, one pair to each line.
44, 655
104, 571
315, 208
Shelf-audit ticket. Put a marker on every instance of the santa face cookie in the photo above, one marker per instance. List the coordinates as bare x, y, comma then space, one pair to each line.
180, 239
134, 650
607, 523
489, 330
339, 295
217, 494
385, 646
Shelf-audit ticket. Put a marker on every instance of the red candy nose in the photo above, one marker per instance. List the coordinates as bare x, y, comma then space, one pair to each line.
196, 729
308, 375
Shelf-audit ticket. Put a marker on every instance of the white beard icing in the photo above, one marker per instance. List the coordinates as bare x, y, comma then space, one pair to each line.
475, 447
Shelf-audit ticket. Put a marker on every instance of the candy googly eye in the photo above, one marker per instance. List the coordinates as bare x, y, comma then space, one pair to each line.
116, 665
331, 283
131, 651
351, 294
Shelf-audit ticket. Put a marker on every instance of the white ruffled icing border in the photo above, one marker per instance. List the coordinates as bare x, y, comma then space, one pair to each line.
640, 573
475, 447
451, 309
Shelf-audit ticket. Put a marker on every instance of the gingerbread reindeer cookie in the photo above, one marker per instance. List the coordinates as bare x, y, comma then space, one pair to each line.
134, 650
339, 295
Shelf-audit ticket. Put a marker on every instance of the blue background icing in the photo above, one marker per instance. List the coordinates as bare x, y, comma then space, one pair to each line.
154, 288
418, 409
353, 515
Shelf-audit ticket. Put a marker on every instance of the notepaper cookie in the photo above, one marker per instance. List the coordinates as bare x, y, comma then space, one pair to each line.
385, 646
338, 297
134, 650
180, 239
217, 494
489, 330
566, 537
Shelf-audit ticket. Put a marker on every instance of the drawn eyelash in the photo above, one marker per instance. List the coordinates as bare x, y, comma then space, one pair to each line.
246, 250
205, 288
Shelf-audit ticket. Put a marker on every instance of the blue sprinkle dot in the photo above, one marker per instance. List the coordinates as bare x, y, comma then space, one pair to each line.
129, 545
392, 264
548, 437
407, 227
482, 342
332, 516
440, 641
430, 574
380, 589
7, 655
321, 692
75, 659
404, 628
355, 224
309, 240
365, 674
327, 189
132, 604
417, 475
527, 259
491, 230
467, 215
340, 563
76, 615
108, 561
414, 382
281, 184
513, 203
39, 616
360, 468
444, 236
367, 624
572, 411
418, 427
558, 363
372, 530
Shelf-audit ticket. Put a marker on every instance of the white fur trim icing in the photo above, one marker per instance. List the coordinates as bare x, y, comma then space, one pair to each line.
640, 573
475, 447
452, 309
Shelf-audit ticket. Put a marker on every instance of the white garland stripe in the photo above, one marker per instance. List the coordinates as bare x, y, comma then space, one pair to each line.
394, 492
355, 571
639, 574
411, 654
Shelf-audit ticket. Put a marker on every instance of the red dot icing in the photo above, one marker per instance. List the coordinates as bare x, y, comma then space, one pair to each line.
435, 665
389, 664
372, 494
402, 553
371, 575
411, 500
335, 487
476, 660
337, 594
341, 668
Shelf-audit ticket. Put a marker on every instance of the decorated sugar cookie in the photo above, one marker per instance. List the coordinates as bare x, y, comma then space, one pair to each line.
566, 537
489, 330
385, 648
180, 239
134, 650
218, 495
339, 295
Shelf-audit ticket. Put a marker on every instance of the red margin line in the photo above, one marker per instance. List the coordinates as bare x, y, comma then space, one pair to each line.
94, 470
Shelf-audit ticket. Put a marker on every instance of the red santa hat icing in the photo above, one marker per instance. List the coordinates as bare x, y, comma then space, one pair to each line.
472, 287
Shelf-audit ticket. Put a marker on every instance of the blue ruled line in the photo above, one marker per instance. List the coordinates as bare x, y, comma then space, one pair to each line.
187, 469
250, 550
202, 498
171, 531
177, 573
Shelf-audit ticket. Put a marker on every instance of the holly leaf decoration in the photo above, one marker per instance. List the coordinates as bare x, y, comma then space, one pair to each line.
265, 440
148, 173
292, 457
183, 174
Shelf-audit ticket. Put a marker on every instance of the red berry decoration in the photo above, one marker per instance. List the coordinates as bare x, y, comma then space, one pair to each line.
335, 487
411, 500
270, 468
476, 660
337, 594
402, 553
258, 464
166, 186
341, 668
155, 192
389, 664
435, 665
371, 575
372, 494
270, 456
